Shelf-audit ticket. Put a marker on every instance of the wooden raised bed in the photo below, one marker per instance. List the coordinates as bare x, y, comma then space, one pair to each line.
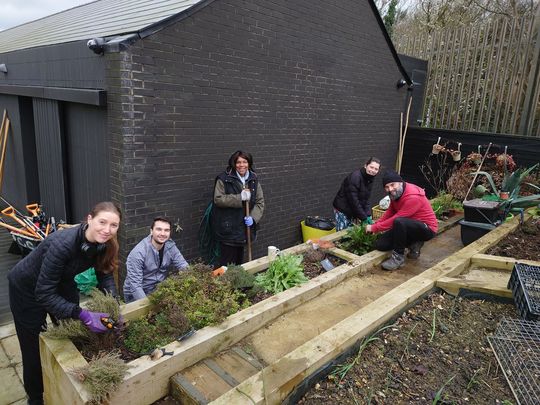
147, 380
275, 382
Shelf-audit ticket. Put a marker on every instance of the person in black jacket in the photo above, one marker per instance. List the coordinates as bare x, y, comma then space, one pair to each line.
352, 200
236, 186
43, 282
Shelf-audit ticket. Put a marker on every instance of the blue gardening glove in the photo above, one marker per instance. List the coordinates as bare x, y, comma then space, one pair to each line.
92, 320
248, 221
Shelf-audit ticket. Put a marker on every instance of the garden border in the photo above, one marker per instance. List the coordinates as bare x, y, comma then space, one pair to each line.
275, 382
147, 380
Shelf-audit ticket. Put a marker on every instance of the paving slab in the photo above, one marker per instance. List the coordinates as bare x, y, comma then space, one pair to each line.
10, 386
4, 359
12, 349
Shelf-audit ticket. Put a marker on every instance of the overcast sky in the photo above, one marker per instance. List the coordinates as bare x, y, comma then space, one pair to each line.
16, 12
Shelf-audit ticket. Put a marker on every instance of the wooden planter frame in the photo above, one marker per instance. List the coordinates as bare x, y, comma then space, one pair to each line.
148, 380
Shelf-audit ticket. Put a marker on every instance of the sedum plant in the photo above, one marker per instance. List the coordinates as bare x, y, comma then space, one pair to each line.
285, 271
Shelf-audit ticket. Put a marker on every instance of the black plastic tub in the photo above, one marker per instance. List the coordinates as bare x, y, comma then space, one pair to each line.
471, 231
485, 212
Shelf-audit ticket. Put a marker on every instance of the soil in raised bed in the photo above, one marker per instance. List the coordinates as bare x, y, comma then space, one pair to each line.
522, 243
410, 362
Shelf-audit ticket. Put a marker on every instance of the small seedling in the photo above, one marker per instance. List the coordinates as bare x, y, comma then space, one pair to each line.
473, 381
406, 351
438, 395
342, 369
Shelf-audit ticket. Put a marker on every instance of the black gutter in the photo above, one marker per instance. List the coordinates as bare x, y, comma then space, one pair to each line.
390, 43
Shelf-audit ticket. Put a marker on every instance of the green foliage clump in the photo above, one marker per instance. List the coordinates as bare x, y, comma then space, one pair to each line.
202, 298
239, 279
284, 272
145, 334
357, 241
102, 375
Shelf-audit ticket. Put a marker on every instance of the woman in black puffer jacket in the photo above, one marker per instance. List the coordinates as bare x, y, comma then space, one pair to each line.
43, 282
352, 200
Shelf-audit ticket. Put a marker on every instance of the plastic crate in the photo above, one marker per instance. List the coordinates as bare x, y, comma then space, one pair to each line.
377, 212
525, 285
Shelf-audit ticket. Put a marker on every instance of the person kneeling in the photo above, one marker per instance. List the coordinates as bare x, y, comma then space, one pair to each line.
407, 223
149, 262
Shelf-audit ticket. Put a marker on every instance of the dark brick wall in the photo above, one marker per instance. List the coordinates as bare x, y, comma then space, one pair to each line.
308, 87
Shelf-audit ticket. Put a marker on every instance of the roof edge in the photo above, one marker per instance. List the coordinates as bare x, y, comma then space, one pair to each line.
390, 43
158, 26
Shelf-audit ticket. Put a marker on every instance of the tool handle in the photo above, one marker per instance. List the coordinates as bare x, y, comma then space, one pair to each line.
33, 209
248, 233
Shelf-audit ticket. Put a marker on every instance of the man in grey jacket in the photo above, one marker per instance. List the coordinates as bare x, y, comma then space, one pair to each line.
149, 262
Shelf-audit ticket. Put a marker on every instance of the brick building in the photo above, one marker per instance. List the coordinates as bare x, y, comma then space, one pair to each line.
308, 87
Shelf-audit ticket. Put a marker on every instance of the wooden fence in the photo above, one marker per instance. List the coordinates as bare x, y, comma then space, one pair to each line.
483, 77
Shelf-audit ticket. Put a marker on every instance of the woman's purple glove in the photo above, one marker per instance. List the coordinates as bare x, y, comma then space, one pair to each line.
248, 221
92, 320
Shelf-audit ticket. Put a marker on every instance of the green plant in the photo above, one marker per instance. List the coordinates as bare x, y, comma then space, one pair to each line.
342, 369
511, 184
202, 298
438, 395
240, 279
145, 334
284, 272
102, 375
357, 241
406, 350
472, 380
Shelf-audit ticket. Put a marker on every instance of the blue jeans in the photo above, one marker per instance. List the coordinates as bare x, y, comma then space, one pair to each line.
342, 221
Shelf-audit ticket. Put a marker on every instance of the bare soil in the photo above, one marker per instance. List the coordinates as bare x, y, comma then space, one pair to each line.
413, 362
523, 243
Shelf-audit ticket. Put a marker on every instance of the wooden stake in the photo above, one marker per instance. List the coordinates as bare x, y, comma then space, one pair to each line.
3, 139
402, 145
1, 143
400, 136
248, 233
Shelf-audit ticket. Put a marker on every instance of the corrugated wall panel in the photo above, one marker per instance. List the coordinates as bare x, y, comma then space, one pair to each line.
87, 157
49, 144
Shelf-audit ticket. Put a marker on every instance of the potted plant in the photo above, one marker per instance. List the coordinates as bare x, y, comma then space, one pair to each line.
511, 186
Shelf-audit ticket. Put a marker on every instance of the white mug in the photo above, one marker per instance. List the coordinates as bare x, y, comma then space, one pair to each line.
272, 252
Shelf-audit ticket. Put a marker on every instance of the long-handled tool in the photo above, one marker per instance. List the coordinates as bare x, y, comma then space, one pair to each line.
10, 212
477, 171
17, 230
4, 130
248, 233
22, 219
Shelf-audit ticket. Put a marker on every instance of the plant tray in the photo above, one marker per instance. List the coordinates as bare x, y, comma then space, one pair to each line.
377, 212
525, 285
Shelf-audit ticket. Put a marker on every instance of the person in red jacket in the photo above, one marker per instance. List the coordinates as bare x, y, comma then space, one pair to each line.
407, 223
